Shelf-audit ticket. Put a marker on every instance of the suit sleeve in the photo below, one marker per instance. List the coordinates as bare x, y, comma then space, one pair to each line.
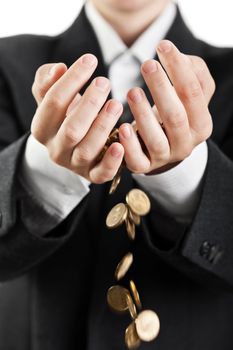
20, 248
202, 250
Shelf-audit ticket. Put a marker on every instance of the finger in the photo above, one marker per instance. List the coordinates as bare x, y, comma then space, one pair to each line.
74, 103
45, 77
135, 158
187, 87
108, 167
149, 128
97, 135
156, 113
78, 122
170, 108
204, 76
51, 111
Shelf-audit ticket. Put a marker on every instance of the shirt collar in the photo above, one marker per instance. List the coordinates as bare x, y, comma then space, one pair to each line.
143, 48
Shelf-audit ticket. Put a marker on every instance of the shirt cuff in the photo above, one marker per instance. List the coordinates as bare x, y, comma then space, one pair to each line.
178, 190
57, 189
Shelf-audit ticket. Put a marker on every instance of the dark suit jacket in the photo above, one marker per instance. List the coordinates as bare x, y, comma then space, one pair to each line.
53, 286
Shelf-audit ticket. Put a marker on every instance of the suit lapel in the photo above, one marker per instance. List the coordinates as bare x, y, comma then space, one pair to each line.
78, 40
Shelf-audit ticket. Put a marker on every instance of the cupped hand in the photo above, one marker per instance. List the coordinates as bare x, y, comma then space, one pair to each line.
75, 128
181, 89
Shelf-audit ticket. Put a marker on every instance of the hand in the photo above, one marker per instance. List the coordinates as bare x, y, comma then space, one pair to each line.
182, 107
75, 128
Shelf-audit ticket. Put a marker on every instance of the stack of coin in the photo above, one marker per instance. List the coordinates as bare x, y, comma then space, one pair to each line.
145, 324
137, 205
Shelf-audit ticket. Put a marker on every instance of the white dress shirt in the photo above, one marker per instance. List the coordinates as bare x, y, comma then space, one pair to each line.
59, 190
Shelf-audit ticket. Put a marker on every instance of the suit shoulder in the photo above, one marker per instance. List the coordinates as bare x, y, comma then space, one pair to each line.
25, 49
219, 61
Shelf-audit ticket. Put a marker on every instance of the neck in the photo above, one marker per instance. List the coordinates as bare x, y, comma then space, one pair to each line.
130, 24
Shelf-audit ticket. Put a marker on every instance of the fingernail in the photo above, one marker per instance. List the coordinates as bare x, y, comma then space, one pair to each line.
102, 83
89, 59
165, 46
135, 95
114, 108
115, 152
125, 131
150, 67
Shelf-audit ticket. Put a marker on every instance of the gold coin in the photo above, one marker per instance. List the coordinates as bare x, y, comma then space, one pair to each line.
132, 339
135, 294
114, 135
117, 215
117, 298
123, 266
138, 201
134, 217
147, 325
134, 126
130, 228
115, 182
131, 307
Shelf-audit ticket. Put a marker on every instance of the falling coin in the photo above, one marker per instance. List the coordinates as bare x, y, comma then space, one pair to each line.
135, 295
138, 201
123, 266
134, 217
116, 180
131, 307
117, 215
132, 339
147, 325
130, 228
134, 126
117, 298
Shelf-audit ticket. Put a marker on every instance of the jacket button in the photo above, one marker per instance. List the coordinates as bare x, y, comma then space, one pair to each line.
211, 252
205, 249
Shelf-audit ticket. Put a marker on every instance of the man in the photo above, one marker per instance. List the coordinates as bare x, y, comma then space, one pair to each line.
57, 258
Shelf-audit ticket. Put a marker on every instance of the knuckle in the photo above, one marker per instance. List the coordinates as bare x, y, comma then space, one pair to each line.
83, 156
54, 155
200, 62
158, 146
161, 154
37, 132
101, 127
70, 133
54, 102
175, 119
33, 89
92, 100
212, 85
38, 91
206, 131
190, 91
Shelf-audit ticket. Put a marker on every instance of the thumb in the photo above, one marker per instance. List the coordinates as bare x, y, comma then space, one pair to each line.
46, 76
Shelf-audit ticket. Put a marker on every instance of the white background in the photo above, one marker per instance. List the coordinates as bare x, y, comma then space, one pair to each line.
210, 20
